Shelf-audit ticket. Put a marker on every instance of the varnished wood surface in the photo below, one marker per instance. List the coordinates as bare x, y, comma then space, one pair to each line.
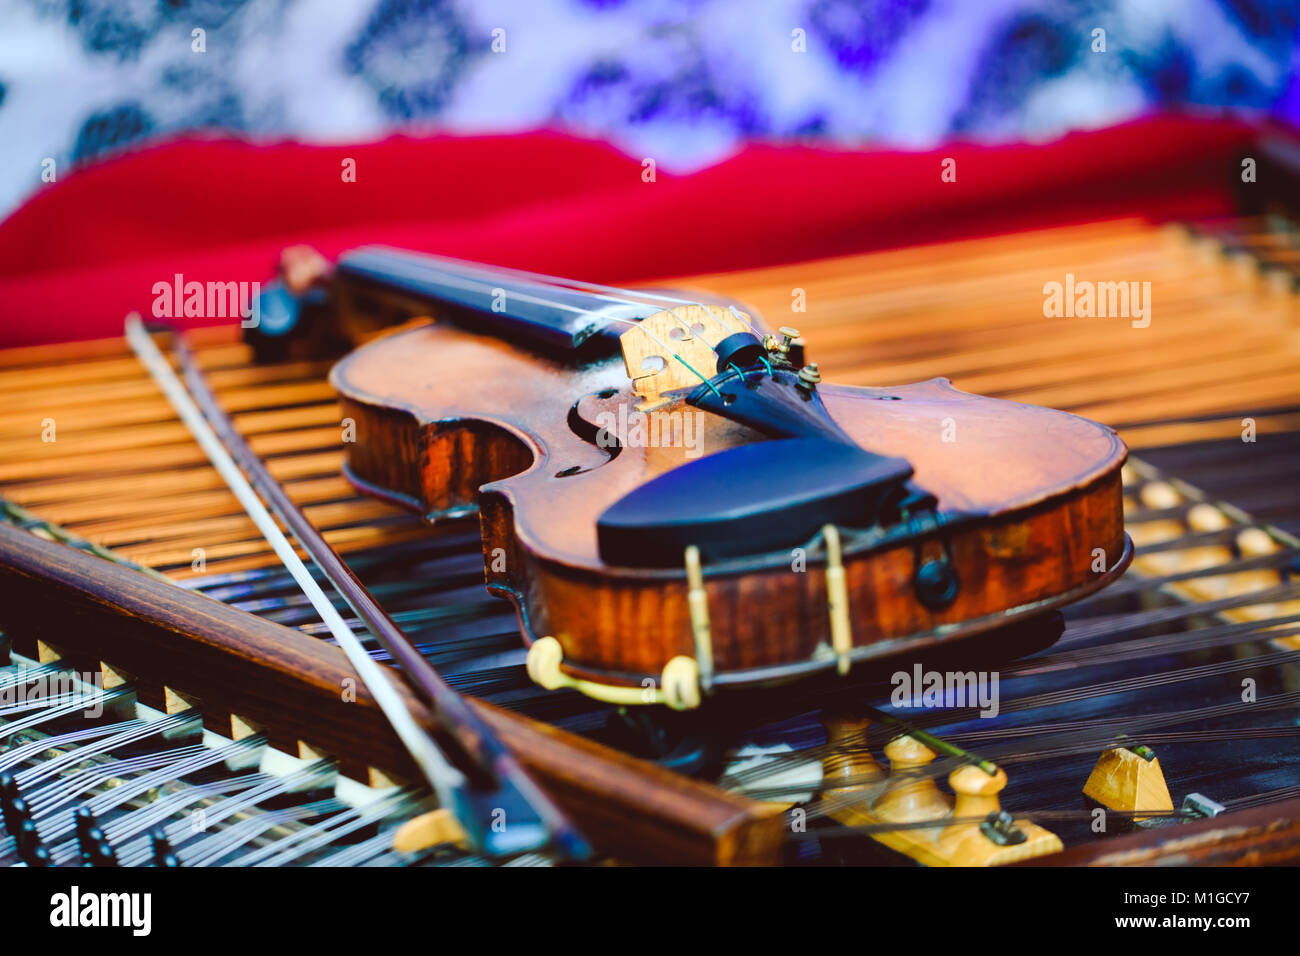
447, 419
1261, 836
1002, 456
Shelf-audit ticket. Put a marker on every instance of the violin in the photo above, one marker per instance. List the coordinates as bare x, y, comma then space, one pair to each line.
675, 502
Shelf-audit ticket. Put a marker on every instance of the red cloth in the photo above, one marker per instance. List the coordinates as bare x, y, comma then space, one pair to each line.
86, 250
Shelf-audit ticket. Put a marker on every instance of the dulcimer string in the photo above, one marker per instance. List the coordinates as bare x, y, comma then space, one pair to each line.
1222, 636
1101, 734
1054, 739
840, 802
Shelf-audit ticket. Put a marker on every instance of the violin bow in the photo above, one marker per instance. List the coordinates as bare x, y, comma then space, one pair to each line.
501, 809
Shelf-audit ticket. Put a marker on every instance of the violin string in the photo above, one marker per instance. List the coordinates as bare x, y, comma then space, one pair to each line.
597, 290
664, 345
473, 277
741, 315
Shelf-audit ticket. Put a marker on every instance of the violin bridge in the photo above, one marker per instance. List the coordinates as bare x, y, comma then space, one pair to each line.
673, 350
970, 829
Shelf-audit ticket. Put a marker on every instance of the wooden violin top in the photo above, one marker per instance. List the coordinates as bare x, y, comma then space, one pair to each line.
978, 456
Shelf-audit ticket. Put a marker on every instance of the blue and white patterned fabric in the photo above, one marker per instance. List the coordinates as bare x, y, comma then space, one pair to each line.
684, 81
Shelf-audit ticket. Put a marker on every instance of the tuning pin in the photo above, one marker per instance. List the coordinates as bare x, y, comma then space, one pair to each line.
95, 848
84, 819
28, 843
788, 335
781, 347
19, 823
976, 791
163, 853
101, 854
8, 796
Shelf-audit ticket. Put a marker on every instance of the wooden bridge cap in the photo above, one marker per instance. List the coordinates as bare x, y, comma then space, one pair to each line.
970, 779
907, 751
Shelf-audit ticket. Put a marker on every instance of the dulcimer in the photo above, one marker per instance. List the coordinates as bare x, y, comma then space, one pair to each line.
673, 500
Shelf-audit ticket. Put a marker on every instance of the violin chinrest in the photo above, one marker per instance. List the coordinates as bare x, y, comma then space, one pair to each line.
751, 499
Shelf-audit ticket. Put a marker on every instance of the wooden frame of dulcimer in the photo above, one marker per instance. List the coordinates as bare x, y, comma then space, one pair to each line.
826, 527
180, 649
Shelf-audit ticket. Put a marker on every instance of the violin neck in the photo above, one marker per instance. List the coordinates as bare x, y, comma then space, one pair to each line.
540, 312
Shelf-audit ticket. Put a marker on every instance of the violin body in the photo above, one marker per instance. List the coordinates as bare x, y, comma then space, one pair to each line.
1025, 510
